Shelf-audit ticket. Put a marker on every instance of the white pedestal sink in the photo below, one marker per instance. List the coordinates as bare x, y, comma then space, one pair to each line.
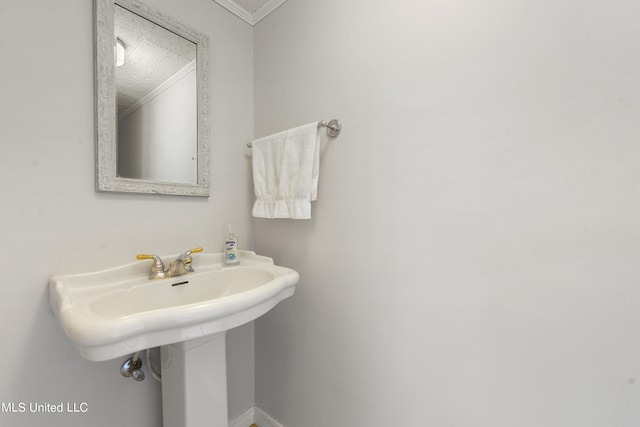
116, 312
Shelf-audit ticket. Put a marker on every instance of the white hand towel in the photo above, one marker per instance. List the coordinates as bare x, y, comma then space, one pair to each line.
286, 166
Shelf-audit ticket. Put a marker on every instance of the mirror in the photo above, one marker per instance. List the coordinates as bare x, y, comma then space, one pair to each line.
151, 102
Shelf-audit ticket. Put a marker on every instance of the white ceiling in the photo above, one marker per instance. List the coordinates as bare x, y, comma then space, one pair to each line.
252, 11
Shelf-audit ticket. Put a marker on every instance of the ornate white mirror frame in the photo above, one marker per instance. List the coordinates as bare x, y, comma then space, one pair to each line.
107, 178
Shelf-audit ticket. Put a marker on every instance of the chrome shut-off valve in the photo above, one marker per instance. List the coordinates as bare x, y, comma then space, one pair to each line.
132, 367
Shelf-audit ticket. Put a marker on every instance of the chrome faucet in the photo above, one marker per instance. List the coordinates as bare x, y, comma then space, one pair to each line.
181, 265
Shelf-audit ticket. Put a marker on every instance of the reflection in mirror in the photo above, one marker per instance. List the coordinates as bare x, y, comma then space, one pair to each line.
155, 80
151, 102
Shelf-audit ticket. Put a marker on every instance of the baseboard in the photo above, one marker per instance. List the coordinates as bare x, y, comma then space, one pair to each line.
244, 418
253, 415
262, 419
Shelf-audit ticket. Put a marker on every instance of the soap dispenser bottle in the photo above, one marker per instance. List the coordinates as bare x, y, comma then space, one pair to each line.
231, 248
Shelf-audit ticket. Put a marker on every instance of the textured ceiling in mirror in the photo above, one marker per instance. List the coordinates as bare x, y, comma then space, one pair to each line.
146, 46
252, 11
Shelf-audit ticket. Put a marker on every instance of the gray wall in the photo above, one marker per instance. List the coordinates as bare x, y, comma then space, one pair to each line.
53, 221
473, 257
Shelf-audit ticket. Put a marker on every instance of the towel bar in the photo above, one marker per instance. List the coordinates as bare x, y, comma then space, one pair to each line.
333, 128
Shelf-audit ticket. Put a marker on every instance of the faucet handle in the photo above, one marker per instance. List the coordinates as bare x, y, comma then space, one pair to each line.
187, 254
187, 260
157, 268
156, 259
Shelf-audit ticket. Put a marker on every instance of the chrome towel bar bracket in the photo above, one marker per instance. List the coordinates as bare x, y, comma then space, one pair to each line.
334, 127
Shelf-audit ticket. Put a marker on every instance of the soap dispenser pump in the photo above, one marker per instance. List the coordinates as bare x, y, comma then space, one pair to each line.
231, 248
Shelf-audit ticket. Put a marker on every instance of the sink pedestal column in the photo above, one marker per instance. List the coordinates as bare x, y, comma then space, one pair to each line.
194, 383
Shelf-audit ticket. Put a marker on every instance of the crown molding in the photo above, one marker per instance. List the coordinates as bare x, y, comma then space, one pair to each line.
251, 19
236, 10
268, 7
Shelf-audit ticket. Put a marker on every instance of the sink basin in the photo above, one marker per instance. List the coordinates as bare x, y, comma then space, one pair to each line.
116, 312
